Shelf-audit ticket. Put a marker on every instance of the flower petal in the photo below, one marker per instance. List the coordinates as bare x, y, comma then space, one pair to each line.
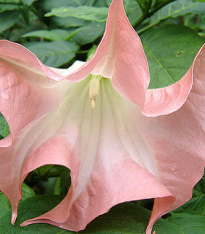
25, 91
176, 142
169, 99
119, 56
25, 62
116, 164
42, 141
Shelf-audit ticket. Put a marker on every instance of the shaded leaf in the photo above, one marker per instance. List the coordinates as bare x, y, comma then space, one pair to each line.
29, 2
4, 127
197, 204
53, 35
5, 205
27, 192
175, 9
81, 12
89, 33
50, 35
55, 53
43, 171
189, 224
8, 19
31, 208
168, 51
48, 5
124, 218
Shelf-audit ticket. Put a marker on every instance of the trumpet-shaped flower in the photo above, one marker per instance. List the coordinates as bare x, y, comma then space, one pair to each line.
121, 141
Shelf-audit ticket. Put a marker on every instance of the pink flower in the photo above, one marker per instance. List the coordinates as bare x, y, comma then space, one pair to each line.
121, 141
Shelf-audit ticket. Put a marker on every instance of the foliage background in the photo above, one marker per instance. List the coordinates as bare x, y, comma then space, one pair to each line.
62, 31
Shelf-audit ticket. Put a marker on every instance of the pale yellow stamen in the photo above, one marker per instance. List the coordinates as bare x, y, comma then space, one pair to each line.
94, 89
93, 104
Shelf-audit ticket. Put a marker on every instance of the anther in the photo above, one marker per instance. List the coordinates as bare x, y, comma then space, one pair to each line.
94, 90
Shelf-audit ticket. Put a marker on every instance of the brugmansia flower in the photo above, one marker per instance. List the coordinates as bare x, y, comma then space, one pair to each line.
121, 141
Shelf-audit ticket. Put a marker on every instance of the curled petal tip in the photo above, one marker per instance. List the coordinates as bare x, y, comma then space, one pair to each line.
13, 218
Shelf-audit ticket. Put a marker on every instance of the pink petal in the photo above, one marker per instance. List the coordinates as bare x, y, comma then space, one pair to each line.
169, 99
176, 141
26, 92
119, 56
24, 61
115, 163
39, 143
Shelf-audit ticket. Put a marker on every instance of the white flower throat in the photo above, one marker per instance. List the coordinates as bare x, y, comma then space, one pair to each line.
94, 89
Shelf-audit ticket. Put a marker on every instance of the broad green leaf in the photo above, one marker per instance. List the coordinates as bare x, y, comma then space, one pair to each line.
125, 218
27, 192
5, 205
81, 12
197, 204
144, 4
29, 2
43, 171
10, 1
89, 33
8, 19
170, 50
189, 224
53, 35
175, 9
67, 22
102, 3
128, 218
4, 127
91, 52
48, 5
65, 177
8, 7
30, 208
49, 35
54, 54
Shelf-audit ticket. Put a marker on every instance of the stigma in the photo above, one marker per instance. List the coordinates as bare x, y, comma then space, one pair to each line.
94, 89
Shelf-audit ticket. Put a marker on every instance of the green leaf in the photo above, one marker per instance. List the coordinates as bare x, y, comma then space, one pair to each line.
175, 9
4, 127
26, 192
8, 7
197, 204
8, 19
29, 2
81, 12
91, 52
66, 22
89, 33
126, 218
43, 171
49, 35
189, 224
170, 50
5, 205
54, 54
144, 4
53, 35
48, 5
31, 208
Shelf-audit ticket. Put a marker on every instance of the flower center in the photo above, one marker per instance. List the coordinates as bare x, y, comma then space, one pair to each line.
94, 89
